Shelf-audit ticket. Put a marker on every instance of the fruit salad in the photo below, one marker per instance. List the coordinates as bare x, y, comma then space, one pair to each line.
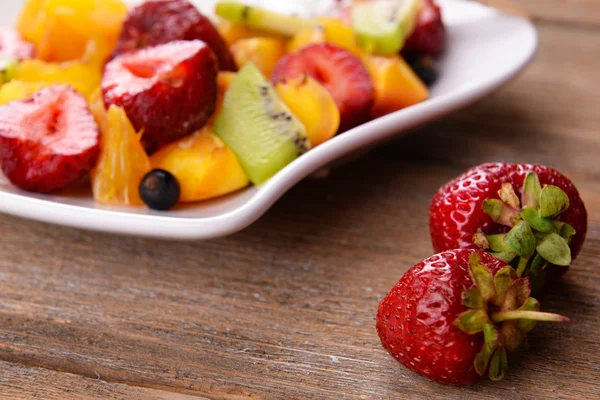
160, 105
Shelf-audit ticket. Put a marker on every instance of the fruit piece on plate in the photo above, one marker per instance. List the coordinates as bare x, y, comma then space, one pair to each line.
262, 52
122, 163
312, 104
203, 165
161, 21
340, 72
224, 80
382, 27
530, 216
258, 127
19, 90
429, 36
456, 316
66, 30
48, 141
396, 85
8, 70
160, 190
329, 30
168, 91
232, 32
13, 46
85, 78
262, 19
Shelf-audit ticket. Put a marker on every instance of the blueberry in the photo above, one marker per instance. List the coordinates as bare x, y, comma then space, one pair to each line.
424, 67
160, 190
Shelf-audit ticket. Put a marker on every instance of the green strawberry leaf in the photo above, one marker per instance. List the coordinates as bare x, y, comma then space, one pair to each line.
555, 249
553, 201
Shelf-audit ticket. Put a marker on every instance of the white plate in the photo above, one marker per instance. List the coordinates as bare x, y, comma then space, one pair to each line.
486, 50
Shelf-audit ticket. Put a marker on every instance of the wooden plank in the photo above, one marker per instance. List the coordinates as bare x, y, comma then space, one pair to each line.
20, 382
582, 13
286, 309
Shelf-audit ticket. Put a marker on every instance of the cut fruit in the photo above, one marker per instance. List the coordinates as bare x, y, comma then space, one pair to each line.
429, 36
343, 75
203, 165
232, 32
123, 162
84, 78
224, 80
262, 52
262, 19
329, 30
396, 85
8, 70
48, 141
382, 27
312, 104
168, 91
19, 90
158, 22
258, 127
13, 47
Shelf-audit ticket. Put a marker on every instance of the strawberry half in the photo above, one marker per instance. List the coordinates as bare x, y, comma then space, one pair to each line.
530, 216
158, 22
13, 46
49, 141
168, 91
340, 72
429, 36
456, 316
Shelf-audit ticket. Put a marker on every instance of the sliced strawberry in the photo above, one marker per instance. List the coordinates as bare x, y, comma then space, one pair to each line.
163, 21
12, 45
429, 36
49, 141
168, 90
340, 72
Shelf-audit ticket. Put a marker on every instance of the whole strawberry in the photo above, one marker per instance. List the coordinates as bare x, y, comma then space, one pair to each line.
456, 316
530, 216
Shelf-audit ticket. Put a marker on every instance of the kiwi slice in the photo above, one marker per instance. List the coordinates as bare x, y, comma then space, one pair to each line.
258, 127
262, 19
382, 27
8, 70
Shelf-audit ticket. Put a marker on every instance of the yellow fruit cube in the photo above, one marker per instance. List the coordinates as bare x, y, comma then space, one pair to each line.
329, 30
265, 53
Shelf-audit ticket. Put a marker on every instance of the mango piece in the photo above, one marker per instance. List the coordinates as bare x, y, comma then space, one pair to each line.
265, 53
396, 85
329, 30
203, 165
312, 104
85, 78
19, 90
233, 32
123, 162
224, 79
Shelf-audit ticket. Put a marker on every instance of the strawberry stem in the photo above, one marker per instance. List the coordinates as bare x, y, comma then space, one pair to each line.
529, 315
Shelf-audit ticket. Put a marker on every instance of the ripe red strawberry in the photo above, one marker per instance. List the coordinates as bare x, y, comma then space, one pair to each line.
455, 316
429, 36
49, 141
12, 45
492, 199
161, 21
340, 72
169, 90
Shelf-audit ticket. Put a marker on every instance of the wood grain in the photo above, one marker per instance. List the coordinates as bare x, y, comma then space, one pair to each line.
286, 309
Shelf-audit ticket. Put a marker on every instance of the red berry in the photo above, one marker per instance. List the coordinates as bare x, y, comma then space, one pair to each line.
340, 72
457, 213
169, 90
158, 22
12, 45
440, 314
49, 141
429, 36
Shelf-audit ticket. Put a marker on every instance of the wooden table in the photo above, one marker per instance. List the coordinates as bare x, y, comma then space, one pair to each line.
286, 309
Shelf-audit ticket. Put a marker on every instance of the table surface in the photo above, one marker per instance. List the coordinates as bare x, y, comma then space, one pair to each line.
286, 309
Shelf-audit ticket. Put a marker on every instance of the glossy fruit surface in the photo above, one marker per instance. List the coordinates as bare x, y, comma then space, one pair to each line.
343, 75
429, 36
19, 90
160, 190
262, 52
328, 30
203, 165
158, 22
13, 46
123, 161
48, 141
168, 91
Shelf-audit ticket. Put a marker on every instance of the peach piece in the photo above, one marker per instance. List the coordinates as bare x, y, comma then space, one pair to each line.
312, 104
396, 85
203, 165
263, 52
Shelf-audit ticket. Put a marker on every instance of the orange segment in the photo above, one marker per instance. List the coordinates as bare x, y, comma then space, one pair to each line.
312, 104
203, 165
396, 85
122, 163
263, 52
